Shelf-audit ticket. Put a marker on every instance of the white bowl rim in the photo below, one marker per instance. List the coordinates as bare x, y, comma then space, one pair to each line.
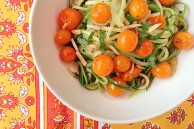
83, 113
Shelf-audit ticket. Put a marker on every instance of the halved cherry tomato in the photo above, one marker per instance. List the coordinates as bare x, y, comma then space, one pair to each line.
138, 9
183, 40
146, 48
166, 2
121, 63
67, 54
114, 90
100, 13
62, 37
127, 41
156, 20
162, 70
102, 65
71, 17
127, 76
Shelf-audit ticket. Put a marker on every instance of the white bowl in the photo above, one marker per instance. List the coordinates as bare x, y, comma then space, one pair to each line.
162, 96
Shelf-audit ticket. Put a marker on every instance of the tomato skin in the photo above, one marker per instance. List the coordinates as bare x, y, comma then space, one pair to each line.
127, 41
114, 90
102, 65
62, 37
138, 9
183, 40
156, 20
100, 13
162, 70
145, 49
67, 54
127, 76
70, 16
121, 63
166, 2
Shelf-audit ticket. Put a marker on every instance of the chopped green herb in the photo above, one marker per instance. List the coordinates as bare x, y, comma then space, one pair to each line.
102, 43
90, 39
143, 33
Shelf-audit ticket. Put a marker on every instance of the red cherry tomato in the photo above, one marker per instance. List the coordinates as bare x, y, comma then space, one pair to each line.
67, 54
156, 20
146, 48
71, 17
127, 76
62, 37
166, 2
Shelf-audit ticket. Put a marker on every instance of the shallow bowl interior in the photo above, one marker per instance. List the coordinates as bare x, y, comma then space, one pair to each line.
162, 96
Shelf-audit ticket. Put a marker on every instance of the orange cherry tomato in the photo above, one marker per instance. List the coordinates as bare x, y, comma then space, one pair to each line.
166, 2
62, 37
67, 54
114, 90
71, 17
102, 65
127, 41
146, 48
183, 40
100, 13
162, 70
138, 9
121, 63
127, 76
156, 20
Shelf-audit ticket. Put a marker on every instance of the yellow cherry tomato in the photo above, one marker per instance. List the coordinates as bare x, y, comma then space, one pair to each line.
100, 13
121, 63
102, 65
138, 9
127, 41
183, 40
114, 90
162, 70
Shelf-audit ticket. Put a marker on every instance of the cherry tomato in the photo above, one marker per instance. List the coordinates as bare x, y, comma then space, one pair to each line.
114, 90
102, 65
146, 48
100, 13
71, 17
67, 54
166, 2
127, 76
138, 9
162, 70
127, 41
183, 40
121, 63
62, 37
156, 20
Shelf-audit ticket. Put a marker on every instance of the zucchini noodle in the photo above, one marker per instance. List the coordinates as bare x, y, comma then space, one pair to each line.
166, 54
147, 81
92, 39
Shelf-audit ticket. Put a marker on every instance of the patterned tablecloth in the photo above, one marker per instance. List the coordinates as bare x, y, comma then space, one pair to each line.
26, 103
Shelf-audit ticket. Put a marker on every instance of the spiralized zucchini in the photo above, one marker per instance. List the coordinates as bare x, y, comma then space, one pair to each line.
95, 39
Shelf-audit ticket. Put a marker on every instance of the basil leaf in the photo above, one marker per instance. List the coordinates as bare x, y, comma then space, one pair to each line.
102, 43
130, 18
90, 39
143, 33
